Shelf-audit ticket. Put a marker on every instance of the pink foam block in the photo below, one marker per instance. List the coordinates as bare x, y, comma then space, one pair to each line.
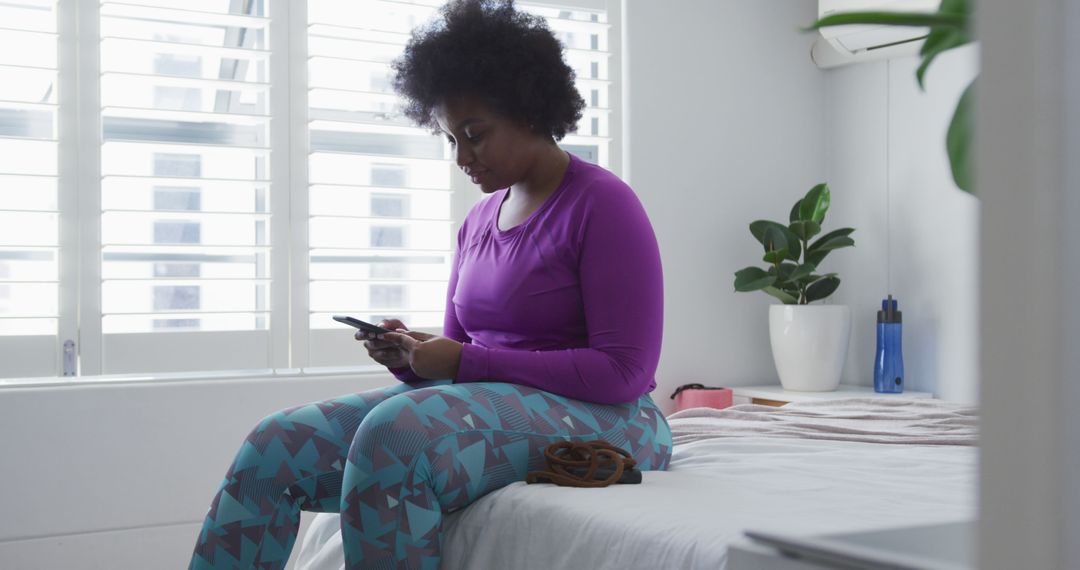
693, 398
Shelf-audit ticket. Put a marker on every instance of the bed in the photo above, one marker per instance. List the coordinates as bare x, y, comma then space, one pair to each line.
806, 468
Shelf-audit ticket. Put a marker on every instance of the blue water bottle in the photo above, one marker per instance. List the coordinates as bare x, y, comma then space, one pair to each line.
889, 364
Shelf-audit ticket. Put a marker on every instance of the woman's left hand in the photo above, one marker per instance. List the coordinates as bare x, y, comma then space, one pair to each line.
431, 356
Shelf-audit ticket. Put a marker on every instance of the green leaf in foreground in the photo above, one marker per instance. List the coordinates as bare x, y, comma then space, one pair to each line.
958, 140
940, 40
912, 19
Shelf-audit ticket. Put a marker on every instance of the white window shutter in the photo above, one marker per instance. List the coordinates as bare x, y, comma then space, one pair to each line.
29, 197
185, 185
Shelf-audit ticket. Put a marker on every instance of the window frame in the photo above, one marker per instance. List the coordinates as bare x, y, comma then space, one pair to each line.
288, 341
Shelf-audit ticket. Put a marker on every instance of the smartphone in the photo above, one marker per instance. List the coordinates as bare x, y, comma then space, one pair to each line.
366, 327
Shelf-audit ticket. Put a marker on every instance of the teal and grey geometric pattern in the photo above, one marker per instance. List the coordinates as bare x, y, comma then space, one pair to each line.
392, 461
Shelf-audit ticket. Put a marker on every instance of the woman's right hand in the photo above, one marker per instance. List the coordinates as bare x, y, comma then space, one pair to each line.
384, 352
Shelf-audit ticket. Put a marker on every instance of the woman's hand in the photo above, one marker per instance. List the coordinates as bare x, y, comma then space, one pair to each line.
388, 354
431, 356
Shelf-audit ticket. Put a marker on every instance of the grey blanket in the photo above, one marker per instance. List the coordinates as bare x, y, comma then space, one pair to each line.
874, 420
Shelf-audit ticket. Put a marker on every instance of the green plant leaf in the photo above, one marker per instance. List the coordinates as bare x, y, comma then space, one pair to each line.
814, 205
805, 230
800, 272
785, 297
836, 243
940, 40
912, 19
794, 215
787, 269
794, 247
760, 227
775, 256
807, 280
832, 240
822, 288
816, 257
752, 279
775, 239
958, 140
830, 235
816, 252
961, 8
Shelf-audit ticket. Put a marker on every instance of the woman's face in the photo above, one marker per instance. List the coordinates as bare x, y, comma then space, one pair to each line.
493, 151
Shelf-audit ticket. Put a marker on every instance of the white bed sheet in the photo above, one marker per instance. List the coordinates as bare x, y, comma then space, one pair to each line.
686, 517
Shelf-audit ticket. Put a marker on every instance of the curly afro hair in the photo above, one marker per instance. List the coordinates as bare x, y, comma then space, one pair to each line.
486, 48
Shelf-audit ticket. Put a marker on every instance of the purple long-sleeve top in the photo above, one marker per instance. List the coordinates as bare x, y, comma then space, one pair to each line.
570, 301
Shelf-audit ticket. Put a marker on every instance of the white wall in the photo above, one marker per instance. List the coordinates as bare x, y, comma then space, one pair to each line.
117, 476
725, 127
729, 121
916, 233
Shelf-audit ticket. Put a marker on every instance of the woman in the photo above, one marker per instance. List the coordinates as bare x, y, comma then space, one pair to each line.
552, 330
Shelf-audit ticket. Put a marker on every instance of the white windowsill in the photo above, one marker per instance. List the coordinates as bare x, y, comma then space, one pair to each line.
207, 376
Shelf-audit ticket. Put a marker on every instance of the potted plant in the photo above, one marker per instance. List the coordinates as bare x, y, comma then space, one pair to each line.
809, 343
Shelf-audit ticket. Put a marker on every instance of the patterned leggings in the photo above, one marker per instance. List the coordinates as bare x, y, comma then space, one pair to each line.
393, 460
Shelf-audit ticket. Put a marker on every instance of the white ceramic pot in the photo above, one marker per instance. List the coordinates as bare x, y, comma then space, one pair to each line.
809, 345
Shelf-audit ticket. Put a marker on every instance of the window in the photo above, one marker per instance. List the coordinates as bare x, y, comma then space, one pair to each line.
387, 236
186, 155
387, 270
5, 289
205, 232
177, 64
381, 243
392, 175
29, 188
176, 298
177, 165
390, 205
172, 231
174, 198
177, 270
176, 98
387, 296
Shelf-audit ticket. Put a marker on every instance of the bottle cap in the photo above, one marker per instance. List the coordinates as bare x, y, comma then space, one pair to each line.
889, 312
